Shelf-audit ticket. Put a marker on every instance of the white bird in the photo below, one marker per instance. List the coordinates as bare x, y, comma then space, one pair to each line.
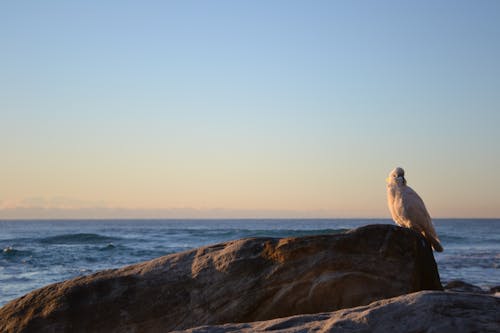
408, 209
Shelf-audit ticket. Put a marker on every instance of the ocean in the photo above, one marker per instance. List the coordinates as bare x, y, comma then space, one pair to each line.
36, 253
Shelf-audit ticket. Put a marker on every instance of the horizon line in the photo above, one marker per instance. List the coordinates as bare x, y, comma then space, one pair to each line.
224, 218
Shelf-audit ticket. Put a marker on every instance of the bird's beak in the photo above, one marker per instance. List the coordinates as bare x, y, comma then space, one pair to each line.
388, 180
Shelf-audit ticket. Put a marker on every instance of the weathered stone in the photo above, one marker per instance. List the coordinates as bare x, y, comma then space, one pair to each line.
461, 286
238, 281
424, 311
494, 290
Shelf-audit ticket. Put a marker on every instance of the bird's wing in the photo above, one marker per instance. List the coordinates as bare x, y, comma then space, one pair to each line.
415, 211
395, 201
390, 202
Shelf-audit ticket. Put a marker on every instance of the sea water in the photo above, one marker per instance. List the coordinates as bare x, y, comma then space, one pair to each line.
36, 253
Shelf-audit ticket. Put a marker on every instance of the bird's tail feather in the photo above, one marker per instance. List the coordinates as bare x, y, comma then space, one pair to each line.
436, 245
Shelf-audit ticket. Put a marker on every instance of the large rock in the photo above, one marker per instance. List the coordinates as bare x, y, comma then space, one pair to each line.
424, 311
461, 286
238, 281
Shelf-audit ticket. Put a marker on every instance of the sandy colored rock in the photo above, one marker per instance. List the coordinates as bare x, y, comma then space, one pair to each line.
239, 281
425, 311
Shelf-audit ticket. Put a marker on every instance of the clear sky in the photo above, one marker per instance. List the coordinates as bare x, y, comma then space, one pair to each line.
247, 108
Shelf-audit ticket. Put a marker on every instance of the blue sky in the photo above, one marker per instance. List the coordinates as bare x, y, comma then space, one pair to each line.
257, 107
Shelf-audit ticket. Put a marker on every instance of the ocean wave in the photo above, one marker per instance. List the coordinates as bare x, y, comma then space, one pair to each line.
8, 250
452, 238
77, 239
108, 247
468, 239
471, 259
15, 279
11, 252
292, 233
244, 233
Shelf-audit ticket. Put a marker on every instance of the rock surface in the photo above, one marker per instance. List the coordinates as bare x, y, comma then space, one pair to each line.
238, 281
424, 311
461, 286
